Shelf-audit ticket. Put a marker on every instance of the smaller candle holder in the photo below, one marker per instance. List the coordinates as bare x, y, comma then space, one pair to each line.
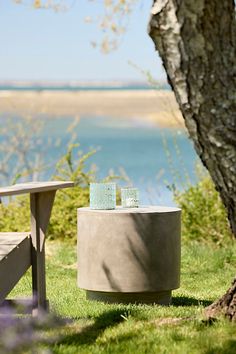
130, 197
102, 196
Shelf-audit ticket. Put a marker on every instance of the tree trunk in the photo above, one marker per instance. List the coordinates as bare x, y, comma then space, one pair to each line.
196, 40
226, 304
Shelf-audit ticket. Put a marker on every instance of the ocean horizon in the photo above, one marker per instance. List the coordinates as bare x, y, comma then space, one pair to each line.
83, 86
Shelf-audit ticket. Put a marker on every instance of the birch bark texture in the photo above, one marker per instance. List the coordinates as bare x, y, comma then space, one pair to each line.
196, 40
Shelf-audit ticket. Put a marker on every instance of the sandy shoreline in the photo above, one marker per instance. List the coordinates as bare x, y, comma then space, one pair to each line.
159, 107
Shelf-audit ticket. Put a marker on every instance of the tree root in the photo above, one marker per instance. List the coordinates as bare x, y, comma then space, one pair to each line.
226, 305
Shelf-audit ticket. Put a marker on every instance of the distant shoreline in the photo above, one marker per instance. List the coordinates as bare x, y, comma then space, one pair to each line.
81, 88
156, 106
80, 85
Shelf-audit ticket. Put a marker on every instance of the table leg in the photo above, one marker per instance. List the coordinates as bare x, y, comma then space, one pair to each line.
40, 207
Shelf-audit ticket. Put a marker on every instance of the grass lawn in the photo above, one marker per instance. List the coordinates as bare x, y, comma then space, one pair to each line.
101, 328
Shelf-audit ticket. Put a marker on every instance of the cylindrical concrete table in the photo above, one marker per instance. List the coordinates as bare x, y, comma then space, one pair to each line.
129, 255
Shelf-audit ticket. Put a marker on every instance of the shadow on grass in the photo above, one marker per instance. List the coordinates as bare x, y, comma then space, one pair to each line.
89, 334
189, 301
228, 347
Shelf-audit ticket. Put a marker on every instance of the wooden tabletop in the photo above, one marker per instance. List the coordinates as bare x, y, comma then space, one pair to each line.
34, 187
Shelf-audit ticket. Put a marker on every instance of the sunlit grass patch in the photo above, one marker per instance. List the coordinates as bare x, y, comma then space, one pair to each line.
102, 328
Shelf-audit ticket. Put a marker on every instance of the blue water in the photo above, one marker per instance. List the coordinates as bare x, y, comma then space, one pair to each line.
77, 87
153, 158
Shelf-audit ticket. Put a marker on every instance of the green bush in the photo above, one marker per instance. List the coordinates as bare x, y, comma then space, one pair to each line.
15, 215
204, 217
63, 222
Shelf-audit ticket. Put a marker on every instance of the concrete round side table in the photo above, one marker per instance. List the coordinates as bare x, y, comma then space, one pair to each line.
129, 255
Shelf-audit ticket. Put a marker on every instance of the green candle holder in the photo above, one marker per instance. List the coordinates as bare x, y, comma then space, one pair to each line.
102, 196
129, 197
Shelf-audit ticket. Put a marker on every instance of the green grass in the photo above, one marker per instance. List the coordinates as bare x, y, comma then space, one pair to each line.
101, 328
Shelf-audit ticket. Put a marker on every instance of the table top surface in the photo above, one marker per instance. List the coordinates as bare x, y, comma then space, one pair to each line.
34, 187
142, 209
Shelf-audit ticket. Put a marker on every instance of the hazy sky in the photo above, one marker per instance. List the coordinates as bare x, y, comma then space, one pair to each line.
44, 45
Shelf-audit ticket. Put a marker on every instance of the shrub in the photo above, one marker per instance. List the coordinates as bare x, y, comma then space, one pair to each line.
63, 222
15, 215
204, 216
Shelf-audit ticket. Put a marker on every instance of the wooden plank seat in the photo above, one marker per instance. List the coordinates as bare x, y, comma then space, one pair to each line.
15, 259
20, 251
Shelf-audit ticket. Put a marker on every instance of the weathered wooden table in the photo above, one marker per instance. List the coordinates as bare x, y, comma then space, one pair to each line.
20, 250
129, 255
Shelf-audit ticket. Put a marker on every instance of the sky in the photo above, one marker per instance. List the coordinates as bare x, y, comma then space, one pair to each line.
48, 45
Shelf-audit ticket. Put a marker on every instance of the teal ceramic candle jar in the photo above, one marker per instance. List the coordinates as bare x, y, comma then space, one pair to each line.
102, 196
129, 197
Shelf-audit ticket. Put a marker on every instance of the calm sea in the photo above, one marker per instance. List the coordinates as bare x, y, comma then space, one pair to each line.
154, 159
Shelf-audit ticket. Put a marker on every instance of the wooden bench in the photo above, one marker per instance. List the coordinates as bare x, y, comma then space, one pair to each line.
19, 251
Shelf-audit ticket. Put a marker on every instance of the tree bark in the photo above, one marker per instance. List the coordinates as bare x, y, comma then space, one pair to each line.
226, 304
196, 40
